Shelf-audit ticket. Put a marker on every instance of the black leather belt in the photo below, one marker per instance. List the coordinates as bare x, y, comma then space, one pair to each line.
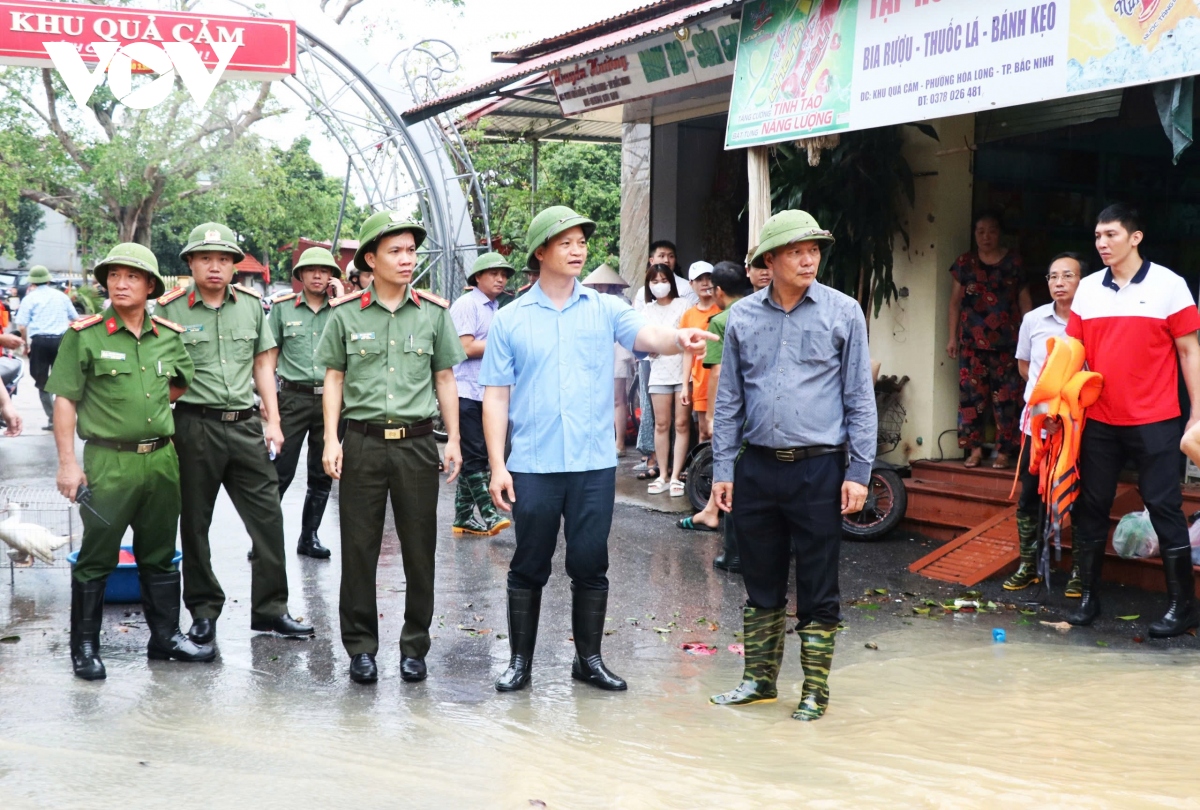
141, 448
412, 431
801, 453
288, 385
213, 413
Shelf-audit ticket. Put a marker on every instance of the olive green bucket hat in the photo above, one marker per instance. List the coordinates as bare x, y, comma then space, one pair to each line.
378, 225
785, 228
316, 257
39, 274
135, 257
549, 224
489, 261
212, 236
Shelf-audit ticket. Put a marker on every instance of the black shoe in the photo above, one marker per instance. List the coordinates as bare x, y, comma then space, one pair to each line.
310, 546
203, 631
160, 606
726, 563
1090, 558
412, 669
362, 668
87, 615
524, 608
1181, 613
587, 622
729, 559
284, 625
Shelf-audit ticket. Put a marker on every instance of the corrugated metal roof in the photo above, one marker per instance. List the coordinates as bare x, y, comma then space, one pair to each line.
531, 112
475, 92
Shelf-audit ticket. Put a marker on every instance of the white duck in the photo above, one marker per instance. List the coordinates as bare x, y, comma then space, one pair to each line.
30, 538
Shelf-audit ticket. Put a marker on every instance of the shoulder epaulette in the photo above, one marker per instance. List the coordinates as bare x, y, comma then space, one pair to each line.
83, 323
168, 297
169, 324
337, 302
431, 298
283, 297
247, 290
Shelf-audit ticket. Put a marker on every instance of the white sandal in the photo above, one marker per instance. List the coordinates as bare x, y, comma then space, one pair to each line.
658, 486
677, 489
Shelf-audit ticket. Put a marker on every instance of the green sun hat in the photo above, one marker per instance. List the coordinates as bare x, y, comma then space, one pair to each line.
378, 225
550, 223
212, 236
785, 228
316, 257
489, 261
39, 274
135, 257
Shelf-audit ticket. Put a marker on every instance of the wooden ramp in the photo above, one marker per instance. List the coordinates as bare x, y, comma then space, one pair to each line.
982, 552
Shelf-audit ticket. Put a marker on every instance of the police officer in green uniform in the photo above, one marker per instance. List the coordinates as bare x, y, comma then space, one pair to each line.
388, 351
220, 435
297, 321
115, 376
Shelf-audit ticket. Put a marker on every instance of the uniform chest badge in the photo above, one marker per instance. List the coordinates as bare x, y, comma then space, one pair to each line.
107, 355
195, 327
294, 323
361, 336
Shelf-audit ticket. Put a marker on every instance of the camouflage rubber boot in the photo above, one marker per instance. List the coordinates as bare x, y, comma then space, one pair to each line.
816, 657
1074, 589
465, 521
495, 522
763, 631
1027, 573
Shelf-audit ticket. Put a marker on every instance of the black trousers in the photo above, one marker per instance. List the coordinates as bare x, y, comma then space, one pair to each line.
43, 350
1155, 449
1029, 503
470, 426
582, 504
300, 415
782, 507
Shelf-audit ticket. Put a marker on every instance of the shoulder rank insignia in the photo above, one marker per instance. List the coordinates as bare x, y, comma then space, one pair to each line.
83, 323
170, 296
431, 298
282, 297
337, 302
174, 327
247, 290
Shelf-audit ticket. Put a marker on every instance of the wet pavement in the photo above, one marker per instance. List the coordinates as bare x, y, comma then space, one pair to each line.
926, 709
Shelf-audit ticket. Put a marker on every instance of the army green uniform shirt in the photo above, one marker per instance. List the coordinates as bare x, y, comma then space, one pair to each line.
120, 381
222, 343
297, 331
389, 357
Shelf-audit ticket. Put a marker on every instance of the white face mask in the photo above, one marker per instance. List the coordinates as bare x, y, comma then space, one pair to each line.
660, 289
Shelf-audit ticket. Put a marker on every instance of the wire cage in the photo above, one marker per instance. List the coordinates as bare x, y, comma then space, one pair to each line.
38, 528
891, 421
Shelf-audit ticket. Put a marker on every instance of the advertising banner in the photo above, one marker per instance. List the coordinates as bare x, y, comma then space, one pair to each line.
693, 55
805, 67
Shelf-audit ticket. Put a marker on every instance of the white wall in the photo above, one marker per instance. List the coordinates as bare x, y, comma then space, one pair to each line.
54, 245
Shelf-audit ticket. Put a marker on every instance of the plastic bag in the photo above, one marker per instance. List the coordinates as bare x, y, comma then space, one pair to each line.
1135, 536
1194, 536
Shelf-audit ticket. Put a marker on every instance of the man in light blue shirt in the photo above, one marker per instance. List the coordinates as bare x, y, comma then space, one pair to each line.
550, 356
44, 316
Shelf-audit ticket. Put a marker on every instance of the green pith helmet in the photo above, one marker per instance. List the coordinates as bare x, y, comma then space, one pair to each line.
316, 257
212, 236
38, 274
550, 223
785, 228
135, 257
489, 261
380, 224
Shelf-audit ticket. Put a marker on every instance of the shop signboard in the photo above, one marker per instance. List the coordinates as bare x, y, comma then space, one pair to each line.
695, 54
806, 67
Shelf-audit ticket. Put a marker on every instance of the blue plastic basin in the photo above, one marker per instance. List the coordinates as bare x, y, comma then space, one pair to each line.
123, 586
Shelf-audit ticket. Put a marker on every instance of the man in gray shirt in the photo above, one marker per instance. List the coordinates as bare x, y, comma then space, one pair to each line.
796, 388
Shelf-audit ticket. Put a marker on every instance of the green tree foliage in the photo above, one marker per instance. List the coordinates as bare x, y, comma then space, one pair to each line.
27, 220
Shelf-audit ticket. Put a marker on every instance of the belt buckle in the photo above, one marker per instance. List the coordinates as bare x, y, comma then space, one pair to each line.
145, 447
394, 433
786, 455
229, 416
318, 389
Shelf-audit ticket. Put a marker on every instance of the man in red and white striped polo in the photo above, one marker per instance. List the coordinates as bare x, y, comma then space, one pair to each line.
1138, 323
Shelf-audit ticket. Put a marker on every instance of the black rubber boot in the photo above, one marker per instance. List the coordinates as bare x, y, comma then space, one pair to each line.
310, 521
1090, 558
524, 608
87, 615
160, 604
1181, 613
729, 559
587, 623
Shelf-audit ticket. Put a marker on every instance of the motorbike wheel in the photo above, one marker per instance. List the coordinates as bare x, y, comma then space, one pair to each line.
886, 503
439, 428
699, 478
